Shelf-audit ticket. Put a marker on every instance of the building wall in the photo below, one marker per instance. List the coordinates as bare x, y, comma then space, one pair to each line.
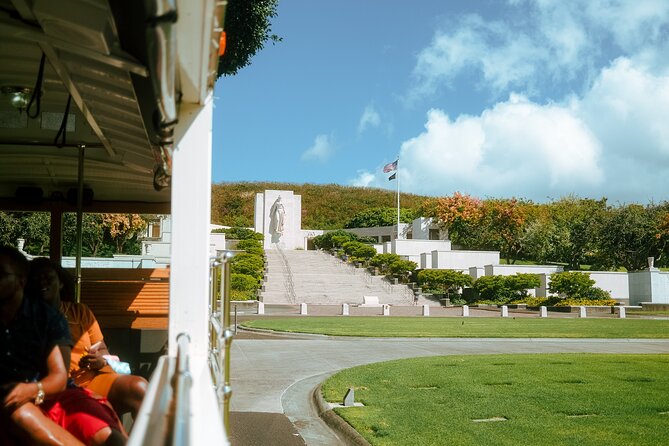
648, 286
617, 283
417, 247
463, 260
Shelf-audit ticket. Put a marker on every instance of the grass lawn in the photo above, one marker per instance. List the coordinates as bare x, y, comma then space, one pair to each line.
649, 312
445, 327
547, 399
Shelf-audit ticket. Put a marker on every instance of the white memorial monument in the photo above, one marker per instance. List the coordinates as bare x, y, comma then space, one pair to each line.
278, 216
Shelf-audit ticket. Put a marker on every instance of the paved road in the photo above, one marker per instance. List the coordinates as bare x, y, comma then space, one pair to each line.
277, 375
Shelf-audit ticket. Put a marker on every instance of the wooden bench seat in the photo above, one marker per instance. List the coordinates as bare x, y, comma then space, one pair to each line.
127, 298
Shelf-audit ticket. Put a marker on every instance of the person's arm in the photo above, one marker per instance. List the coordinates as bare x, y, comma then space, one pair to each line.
53, 383
94, 359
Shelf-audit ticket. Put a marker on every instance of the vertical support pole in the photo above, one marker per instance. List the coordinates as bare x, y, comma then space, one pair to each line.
56, 234
465, 311
344, 309
386, 310
505, 311
261, 308
621, 312
191, 216
80, 220
426, 310
397, 172
303, 309
543, 311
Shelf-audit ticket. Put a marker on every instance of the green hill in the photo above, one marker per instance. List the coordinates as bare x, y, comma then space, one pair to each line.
324, 206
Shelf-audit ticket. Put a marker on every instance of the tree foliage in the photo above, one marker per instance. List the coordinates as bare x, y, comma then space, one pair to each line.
247, 27
576, 286
383, 216
629, 235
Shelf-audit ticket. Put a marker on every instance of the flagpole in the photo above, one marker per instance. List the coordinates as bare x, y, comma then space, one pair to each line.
398, 196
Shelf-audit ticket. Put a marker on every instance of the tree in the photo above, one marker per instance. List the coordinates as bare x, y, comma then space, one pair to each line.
375, 217
123, 227
507, 218
455, 213
628, 236
247, 29
92, 235
34, 227
576, 224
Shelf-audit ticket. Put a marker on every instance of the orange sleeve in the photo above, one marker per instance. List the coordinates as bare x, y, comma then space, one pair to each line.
91, 324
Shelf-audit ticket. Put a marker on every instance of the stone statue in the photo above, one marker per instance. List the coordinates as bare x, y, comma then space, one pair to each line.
276, 217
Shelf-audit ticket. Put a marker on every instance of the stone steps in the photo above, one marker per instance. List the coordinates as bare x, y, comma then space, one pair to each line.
322, 279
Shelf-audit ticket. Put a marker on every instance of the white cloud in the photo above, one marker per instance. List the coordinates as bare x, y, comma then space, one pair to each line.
542, 42
613, 142
370, 118
364, 179
320, 151
627, 110
515, 147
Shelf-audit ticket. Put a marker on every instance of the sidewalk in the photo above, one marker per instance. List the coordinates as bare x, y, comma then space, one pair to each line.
273, 376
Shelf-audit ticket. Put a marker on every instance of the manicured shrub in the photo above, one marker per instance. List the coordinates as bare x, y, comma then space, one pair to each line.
403, 268
238, 233
443, 280
248, 243
383, 261
359, 251
493, 289
251, 246
571, 284
505, 289
521, 282
334, 239
243, 282
242, 295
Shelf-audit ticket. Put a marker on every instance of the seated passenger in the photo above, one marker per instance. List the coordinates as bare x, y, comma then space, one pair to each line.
36, 407
88, 366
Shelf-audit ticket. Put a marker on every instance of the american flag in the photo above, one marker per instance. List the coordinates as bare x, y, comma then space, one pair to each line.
390, 167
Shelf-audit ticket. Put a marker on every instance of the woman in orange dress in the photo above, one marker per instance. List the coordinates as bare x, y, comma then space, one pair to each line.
88, 365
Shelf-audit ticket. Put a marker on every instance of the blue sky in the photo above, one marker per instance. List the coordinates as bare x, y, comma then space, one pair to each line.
527, 98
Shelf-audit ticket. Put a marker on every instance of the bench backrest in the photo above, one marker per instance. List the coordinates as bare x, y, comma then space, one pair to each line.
127, 298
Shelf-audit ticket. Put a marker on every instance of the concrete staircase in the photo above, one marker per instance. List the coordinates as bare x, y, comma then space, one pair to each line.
315, 277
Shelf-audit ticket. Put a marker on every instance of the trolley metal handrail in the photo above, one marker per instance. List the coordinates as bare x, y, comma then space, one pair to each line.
181, 384
220, 332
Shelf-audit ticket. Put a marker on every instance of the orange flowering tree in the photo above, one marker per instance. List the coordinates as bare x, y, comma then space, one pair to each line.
457, 212
123, 227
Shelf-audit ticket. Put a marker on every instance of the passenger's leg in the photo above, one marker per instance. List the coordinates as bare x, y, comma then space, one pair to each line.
35, 428
127, 393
